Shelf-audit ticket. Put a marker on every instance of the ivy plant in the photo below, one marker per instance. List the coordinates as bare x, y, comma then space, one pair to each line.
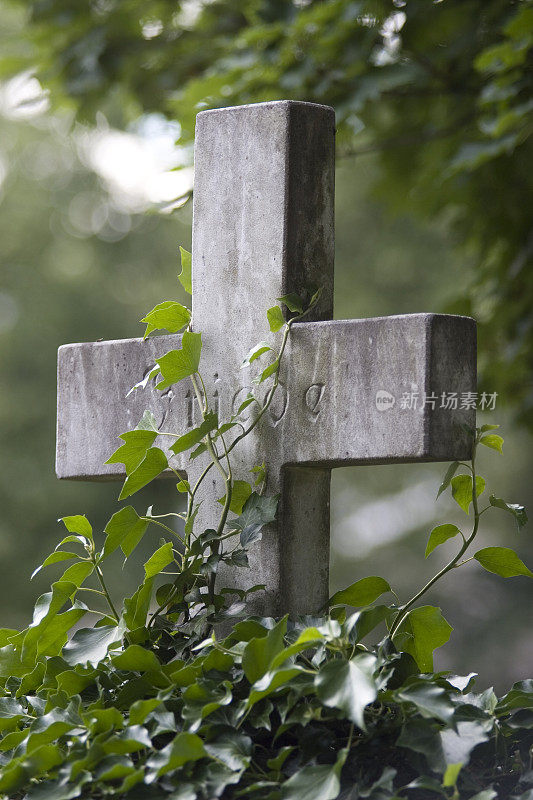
176, 692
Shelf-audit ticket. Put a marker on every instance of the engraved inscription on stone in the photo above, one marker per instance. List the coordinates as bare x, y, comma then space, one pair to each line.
313, 397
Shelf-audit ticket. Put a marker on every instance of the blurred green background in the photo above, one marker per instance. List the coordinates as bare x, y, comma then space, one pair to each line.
433, 213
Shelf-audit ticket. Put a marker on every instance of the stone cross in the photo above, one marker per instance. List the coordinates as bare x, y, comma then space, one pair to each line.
263, 227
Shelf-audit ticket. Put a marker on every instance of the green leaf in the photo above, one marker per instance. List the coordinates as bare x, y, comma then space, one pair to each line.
154, 462
361, 593
267, 372
183, 487
169, 316
77, 573
136, 607
485, 428
159, 560
185, 276
431, 700
427, 631
320, 782
54, 558
494, 441
137, 659
450, 472
241, 491
462, 489
348, 685
233, 749
257, 510
293, 302
518, 511
502, 561
179, 364
90, 645
147, 422
275, 319
256, 352
259, 653
368, 619
191, 438
134, 449
184, 748
246, 402
306, 638
78, 524
439, 535
125, 529
457, 745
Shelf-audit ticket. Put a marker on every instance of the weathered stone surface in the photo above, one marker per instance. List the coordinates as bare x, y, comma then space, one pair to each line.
263, 226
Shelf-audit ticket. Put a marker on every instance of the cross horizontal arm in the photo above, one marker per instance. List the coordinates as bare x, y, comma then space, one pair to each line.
327, 411
375, 391
92, 407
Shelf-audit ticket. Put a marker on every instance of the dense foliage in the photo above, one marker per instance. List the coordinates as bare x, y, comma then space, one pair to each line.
187, 697
441, 91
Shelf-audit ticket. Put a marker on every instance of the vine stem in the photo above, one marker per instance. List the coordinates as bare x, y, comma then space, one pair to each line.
451, 564
105, 591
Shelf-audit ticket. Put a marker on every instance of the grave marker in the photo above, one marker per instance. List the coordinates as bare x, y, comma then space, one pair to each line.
263, 226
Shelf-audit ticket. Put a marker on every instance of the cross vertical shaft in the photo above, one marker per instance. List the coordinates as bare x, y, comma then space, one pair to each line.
263, 226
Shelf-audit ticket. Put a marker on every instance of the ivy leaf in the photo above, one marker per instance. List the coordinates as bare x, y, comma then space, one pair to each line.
125, 529
78, 524
169, 316
246, 402
462, 490
90, 645
361, 593
318, 782
368, 619
457, 746
450, 472
77, 573
255, 352
485, 428
427, 630
518, 511
159, 560
142, 384
137, 659
147, 422
430, 700
275, 319
54, 558
241, 491
179, 364
191, 438
293, 302
136, 607
493, 441
154, 462
185, 747
233, 749
185, 276
257, 510
266, 373
439, 535
133, 451
502, 561
259, 653
348, 685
